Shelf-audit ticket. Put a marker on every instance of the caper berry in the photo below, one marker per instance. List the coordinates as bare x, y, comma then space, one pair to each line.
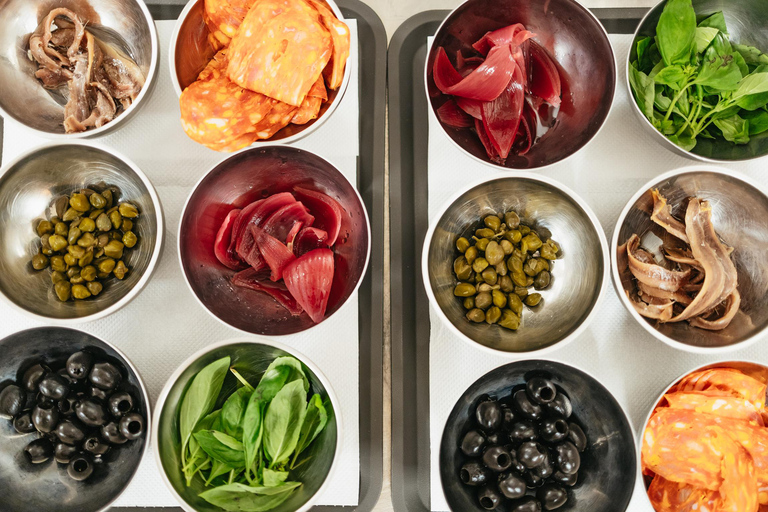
482, 244
492, 315
87, 259
542, 280
70, 215
501, 269
506, 246
44, 227
87, 240
521, 291
107, 194
514, 264
461, 268
485, 233
116, 219
87, 225
57, 276
70, 260
494, 253
106, 265
519, 279
39, 261
506, 284
515, 303
533, 300
94, 287
509, 320
524, 230
511, 219
103, 223
484, 287
462, 244
532, 242
127, 225
470, 254
79, 202
88, 273
492, 222
95, 214
57, 242
490, 276
79, 291
513, 236
58, 263
76, 251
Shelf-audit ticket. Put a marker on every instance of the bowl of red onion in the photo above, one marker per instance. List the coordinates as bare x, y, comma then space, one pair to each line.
274, 240
520, 85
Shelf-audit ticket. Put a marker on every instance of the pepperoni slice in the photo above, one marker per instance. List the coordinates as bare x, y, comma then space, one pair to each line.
223, 18
729, 381
667, 496
725, 406
334, 72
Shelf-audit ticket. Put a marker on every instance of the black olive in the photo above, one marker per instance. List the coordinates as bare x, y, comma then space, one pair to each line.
80, 467
41, 399
564, 479
473, 443
63, 373
561, 406
552, 496
516, 464
525, 406
99, 393
120, 404
39, 450
111, 433
63, 453
30, 402
95, 446
568, 458
512, 486
496, 438
553, 430
541, 390
23, 423
497, 458
105, 376
70, 431
489, 498
79, 365
488, 416
54, 386
546, 468
531, 454
12, 400
474, 473
508, 417
67, 406
33, 376
577, 437
91, 413
523, 431
45, 416
527, 504
532, 480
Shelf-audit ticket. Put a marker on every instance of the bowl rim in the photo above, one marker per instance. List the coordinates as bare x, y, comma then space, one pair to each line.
156, 253
148, 421
639, 442
497, 167
149, 82
657, 135
570, 367
174, 377
605, 277
689, 169
307, 130
344, 304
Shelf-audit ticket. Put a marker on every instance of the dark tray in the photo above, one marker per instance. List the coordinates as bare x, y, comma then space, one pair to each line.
373, 46
408, 129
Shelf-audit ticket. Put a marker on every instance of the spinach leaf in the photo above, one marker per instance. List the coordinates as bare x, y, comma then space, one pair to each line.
283, 420
219, 446
676, 32
314, 422
240, 497
734, 128
752, 55
233, 411
758, 121
751, 90
704, 36
643, 89
719, 72
716, 21
253, 429
274, 478
673, 76
200, 398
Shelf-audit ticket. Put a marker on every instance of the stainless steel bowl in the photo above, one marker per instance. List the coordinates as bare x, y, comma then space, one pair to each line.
750, 368
740, 215
579, 44
190, 52
607, 474
34, 488
28, 187
579, 276
239, 180
127, 23
251, 358
747, 22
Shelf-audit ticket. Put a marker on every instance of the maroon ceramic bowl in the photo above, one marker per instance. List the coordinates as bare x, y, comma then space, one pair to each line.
239, 180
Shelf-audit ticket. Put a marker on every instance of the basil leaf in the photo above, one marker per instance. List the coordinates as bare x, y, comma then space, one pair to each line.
643, 55
283, 420
656, 69
232, 412
206, 423
758, 121
676, 32
734, 128
218, 468
673, 76
752, 55
200, 398
274, 478
685, 142
240, 497
643, 90
314, 422
221, 447
720, 72
296, 371
253, 429
721, 45
704, 36
751, 88
716, 21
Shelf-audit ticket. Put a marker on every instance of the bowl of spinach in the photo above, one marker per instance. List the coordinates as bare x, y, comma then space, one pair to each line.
249, 426
698, 72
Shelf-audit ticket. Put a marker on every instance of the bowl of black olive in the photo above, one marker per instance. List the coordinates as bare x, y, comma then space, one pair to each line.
74, 421
537, 435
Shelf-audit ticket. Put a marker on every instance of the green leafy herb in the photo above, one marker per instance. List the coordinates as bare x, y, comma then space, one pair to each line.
643, 89
232, 412
282, 422
704, 36
240, 497
716, 21
676, 32
314, 422
752, 56
219, 446
274, 478
758, 121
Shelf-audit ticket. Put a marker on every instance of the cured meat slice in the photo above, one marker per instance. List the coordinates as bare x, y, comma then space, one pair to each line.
221, 246
728, 382
276, 255
279, 116
662, 215
543, 76
725, 406
501, 117
310, 107
340, 36
309, 239
327, 211
309, 279
255, 214
223, 18
259, 281
281, 222
669, 496
651, 274
485, 83
280, 50
450, 114
739, 490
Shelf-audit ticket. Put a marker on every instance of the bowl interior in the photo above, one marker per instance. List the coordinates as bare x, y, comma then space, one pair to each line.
27, 191
246, 177
120, 22
746, 21
740, 216
608, 466
30, 488
577, 42
577, 275
251, 360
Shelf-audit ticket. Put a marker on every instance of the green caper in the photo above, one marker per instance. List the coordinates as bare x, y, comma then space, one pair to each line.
47, 251
547, 252
88, 272
519, 278
506, 284
74, 235
531, 267
553, 245
479, 264
476, 315
521, 291
103, 275
97, 201
509, 320
87, 240
62, 290
501, 269
115, 235
513, 236
99, 253
484, 287
482, 244
116, 219
107, 194
533, 300
103, 223
514, 264
40, 261
95, 214
79, 202
107, 265
57, 242
528, 281
58, 263
469, 303
114, 249
485, 233
70, 260
79, 291
87, 258
490, 276
511, 219
76, 251
461, 268
492, 315
532, 242
461, 290
94, 287
128, 210
127, 225
515, 303
78, 279
61, 228
44, 227
478, 278
499, 299
70, 215
494, 253
87, 225
492, 222
470, 254
462, 244
483, 300
517, 253
542, 280
524, 230
102, 240
120, 270
507, 247
57, 276
73, 271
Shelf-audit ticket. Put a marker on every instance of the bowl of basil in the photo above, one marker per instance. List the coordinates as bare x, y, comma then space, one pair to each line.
248, 426
698, 72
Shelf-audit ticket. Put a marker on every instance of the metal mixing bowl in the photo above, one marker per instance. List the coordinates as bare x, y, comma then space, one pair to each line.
740, 216
28, 187
126, 23
607, 474
239, 180
190, 52
579, 275
36, 487
251, 359
747, 22
579, 45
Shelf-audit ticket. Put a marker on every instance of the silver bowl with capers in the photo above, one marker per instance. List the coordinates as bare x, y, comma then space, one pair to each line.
81, 230
560, 306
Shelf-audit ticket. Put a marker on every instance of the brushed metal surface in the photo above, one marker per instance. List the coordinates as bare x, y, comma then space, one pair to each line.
578, 275
30, 487
29, 186
126, 23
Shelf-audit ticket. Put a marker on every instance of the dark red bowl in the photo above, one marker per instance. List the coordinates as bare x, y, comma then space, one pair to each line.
245, 177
